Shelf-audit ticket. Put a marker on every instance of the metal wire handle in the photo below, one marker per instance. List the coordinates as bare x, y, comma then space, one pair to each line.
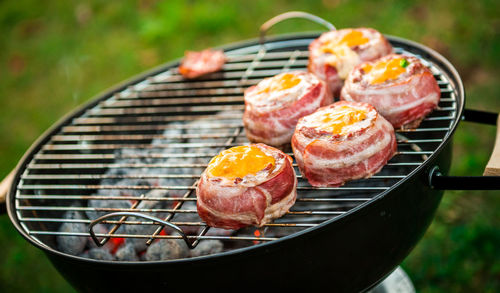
291, 14
139, 215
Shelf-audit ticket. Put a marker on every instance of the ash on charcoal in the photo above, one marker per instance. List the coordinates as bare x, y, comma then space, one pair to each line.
193, 217
72, 244
99, 229
168, 159
126, 253
100, 254
167, 249
106, 204
207, 247
140, 243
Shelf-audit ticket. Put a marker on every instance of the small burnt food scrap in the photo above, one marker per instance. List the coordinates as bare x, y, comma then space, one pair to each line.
196, 64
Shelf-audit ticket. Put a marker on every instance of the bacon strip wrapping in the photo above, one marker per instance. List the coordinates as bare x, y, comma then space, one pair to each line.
251, 200
327, 159
271, 116
196, 64
403, 101
335, 53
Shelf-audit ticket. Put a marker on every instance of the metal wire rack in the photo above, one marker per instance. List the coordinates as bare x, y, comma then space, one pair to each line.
150, 142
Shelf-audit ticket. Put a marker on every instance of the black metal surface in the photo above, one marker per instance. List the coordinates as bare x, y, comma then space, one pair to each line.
483, 117
442, 182
350, 254
351, 251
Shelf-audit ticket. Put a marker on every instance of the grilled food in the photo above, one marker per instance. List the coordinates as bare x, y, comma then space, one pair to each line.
246, 185
274, 105
342, 142
335, 53
196, 64
400, 87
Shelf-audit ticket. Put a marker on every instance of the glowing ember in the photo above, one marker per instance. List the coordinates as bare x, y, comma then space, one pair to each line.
257, 234
117, 242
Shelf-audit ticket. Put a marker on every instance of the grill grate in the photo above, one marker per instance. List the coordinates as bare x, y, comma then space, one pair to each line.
159, 134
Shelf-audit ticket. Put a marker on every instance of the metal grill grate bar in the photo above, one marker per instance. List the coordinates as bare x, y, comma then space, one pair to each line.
120, 166
145, 176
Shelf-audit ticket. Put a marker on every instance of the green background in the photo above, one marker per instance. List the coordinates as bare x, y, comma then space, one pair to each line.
55, 55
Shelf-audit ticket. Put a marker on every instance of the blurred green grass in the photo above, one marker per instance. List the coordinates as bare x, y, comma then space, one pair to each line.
58, 54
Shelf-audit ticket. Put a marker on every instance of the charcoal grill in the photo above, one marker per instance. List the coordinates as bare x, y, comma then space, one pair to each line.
364, 228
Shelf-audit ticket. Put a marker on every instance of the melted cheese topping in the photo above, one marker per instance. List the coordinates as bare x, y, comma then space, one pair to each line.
237, 162
351, 39
338, 120
281, 82
342, 57
382, 71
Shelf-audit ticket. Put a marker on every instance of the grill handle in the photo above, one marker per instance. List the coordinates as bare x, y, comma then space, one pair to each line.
156, 221
491, 178
291, 14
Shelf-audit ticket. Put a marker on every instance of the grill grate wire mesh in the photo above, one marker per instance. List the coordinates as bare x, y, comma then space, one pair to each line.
159, 134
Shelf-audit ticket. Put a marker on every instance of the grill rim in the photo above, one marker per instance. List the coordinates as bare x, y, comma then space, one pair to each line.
430, 55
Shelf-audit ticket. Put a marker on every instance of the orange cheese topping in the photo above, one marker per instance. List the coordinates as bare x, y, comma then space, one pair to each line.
237, 162
351, 39
384, 70
285, 81
335, 122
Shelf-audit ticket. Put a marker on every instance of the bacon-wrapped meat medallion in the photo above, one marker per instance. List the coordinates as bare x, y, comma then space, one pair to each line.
246, 185
196, 64
400, 87
335, 53
274, 105
342, 142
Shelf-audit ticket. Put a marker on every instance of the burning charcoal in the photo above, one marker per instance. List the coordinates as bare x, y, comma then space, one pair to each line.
140, 243
72, 244
100, 254
188, 217
167, 249
193, 217
126, 253
207, 247
99, 229
220, 232
108, 204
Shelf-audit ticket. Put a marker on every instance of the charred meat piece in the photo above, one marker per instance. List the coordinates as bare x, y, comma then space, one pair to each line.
196, 64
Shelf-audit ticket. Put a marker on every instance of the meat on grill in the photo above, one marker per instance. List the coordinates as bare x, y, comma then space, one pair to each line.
335, 53
196, 64
342, 142
274, 105
246, 185
400, 87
